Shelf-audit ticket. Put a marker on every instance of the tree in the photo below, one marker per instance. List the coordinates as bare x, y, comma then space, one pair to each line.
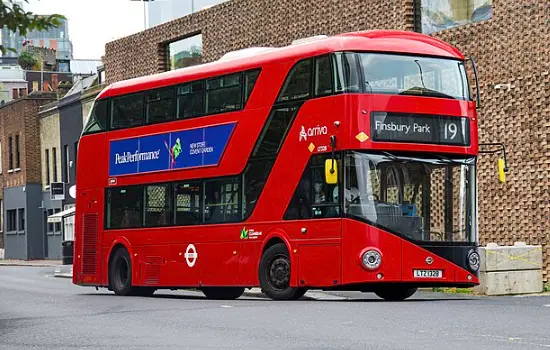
27, 60
20, 21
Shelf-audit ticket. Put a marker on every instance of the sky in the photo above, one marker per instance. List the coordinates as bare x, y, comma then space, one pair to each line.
93, 23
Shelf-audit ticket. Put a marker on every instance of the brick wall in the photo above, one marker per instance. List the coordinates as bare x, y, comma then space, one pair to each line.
20, 117
238, 24
512, 48
50, 139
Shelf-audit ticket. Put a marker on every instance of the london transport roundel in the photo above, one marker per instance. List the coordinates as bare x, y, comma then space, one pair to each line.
191, 255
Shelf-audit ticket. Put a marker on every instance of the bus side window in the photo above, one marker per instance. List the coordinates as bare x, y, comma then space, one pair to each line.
124, 207
160, 105
224, 94
323, 78
297, 84
187, 202
157, 205
127, 111
190, 100
222, 198
313, 197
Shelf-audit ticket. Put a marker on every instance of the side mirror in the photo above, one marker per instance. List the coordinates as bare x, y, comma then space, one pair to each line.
501, 170
331, 172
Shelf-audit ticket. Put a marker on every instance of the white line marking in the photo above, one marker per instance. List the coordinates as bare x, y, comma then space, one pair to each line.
226, 306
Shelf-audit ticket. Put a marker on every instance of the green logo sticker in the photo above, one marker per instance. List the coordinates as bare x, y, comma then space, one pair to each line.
244, 233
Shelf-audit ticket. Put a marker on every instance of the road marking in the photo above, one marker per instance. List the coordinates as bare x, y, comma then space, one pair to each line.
226, 306
547, 305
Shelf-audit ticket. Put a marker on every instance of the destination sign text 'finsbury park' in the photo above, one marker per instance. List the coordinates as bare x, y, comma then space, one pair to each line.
169, 151
402, 127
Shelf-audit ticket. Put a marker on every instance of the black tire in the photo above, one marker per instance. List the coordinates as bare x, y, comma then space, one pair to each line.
223, 293
120, 273
274, 274
395, 293
300, 292
143, 291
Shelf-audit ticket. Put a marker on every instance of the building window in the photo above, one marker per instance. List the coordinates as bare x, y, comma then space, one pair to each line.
11, 220
158, 205
185, 52
75, 157
67, 164
47, 161
21, 216
439, 15
17, 154
1, 215
57, 225
50, 225
54, 163
10, 153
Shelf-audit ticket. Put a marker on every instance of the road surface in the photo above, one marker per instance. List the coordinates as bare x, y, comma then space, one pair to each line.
38, 311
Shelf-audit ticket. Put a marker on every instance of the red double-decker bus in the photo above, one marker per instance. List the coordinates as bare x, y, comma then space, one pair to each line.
336, 163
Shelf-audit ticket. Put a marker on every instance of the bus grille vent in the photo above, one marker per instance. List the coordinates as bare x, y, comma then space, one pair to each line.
152, 270
89, 244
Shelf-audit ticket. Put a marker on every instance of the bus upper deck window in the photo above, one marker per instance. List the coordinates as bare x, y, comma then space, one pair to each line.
97, 121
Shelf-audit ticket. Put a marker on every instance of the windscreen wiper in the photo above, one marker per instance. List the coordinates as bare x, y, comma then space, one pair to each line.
425, 91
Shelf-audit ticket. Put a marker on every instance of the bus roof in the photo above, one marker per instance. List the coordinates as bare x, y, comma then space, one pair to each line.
393, 41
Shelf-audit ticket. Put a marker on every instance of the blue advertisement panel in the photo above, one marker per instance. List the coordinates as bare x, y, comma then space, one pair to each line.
176, 150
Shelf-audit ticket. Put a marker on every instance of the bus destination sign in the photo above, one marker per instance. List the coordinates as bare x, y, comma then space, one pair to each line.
169, 151
414, 128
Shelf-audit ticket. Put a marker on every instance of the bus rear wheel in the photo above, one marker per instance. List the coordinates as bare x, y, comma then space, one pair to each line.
395, 293
274, 274
120, 273
223, 293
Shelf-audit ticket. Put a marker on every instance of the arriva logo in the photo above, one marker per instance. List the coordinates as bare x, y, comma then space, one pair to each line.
314, 131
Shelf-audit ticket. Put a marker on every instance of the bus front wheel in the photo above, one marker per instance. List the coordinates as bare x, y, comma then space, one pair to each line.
274, 274
395, 293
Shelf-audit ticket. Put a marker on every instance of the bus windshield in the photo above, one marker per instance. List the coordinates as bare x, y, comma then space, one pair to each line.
414, 75
423, 199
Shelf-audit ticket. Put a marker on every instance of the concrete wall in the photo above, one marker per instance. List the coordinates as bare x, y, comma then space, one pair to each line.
35, 235
54, 238
15, 242
70, 112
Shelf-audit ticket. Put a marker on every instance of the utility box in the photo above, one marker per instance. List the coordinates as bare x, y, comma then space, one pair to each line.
506, 270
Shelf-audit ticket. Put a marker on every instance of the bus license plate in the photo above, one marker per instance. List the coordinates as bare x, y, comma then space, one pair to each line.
428, 273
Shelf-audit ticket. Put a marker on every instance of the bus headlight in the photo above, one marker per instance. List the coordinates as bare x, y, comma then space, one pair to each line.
371, 259
473, 260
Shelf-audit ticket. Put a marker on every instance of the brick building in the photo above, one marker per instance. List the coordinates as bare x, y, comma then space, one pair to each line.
508, 38
20, 139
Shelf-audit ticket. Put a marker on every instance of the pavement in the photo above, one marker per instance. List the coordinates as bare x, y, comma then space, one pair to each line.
34, 263
38, 311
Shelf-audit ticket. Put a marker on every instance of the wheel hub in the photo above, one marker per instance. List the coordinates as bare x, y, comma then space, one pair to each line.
279, 273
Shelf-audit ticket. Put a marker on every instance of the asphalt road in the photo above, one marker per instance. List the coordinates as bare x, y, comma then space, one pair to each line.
38, 311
